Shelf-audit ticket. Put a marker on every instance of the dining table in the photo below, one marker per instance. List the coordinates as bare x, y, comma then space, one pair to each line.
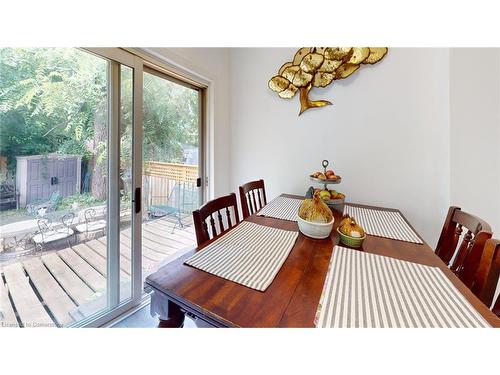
292, 299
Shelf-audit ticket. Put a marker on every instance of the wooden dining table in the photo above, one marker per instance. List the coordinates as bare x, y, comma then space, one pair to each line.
292, 298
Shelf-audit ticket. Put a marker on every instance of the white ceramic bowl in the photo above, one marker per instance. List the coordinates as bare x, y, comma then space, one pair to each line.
315, 230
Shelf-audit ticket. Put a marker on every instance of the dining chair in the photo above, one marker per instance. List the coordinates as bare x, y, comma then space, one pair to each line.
217, 207
486, 279
463, 259
250, 205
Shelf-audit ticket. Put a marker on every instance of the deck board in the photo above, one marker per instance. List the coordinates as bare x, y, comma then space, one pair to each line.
165, 248
149, 258
101, 249
51, 292
9, 316
165, 229
72, 284
28, 306
154, 234
92, 258
84, 270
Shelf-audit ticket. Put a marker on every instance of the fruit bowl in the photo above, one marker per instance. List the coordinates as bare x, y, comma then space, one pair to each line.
350, 241
318, 231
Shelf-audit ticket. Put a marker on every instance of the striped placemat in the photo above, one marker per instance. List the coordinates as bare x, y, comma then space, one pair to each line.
383, 223
250, 254
282, 208
369, 290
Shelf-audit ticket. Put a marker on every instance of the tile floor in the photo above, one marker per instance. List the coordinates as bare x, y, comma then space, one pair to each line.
142, 319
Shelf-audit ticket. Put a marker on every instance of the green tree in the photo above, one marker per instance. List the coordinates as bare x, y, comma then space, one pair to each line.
55, 100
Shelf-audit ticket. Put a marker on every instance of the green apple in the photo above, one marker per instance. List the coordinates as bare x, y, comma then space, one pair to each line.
324, 194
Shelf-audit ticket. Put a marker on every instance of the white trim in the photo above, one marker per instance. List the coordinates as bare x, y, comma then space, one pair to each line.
146, 301
137, 285
113, 177
170, 66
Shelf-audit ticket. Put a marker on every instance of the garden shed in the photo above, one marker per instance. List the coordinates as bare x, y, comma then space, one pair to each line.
38, 176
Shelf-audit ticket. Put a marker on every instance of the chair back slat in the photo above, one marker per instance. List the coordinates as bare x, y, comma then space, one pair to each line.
218, 207
249, 203
252, 192
462, 252
219, 216
228, 215
260, 200
212, 225
470, 247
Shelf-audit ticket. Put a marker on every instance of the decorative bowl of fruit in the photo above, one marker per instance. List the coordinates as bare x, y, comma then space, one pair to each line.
314, 218
330, 197
350, 233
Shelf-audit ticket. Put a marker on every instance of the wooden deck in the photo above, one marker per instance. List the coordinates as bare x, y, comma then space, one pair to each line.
55, 289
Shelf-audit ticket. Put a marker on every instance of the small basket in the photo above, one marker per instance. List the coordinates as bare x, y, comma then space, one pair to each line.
350, 241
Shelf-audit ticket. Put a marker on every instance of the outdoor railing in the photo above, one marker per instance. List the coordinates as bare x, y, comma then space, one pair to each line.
159, 180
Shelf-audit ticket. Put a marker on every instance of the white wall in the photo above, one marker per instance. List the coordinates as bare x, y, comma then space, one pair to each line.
212, 64
386, 134
418, 131
475, 132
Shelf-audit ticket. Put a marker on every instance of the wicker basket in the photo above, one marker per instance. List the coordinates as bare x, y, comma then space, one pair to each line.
350, 241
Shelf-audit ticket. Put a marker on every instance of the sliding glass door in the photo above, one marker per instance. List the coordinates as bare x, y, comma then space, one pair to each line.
101, 165
60, 141
171, 150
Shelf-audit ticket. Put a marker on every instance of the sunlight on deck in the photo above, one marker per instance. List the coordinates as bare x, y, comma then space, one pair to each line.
58, 288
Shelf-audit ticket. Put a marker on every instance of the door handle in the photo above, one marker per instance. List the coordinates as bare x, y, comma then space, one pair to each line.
137, 200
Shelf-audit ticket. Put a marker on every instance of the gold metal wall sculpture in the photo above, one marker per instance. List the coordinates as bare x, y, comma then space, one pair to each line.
318, 67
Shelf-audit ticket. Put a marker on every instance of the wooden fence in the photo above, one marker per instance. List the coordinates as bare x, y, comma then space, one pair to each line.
160, 179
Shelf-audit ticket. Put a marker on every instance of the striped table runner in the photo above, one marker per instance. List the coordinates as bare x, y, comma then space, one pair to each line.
282, 208
383, 223
250, 254
369, 290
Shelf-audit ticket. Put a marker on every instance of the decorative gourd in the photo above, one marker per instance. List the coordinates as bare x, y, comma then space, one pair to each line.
345, 218
351, 228
315, 210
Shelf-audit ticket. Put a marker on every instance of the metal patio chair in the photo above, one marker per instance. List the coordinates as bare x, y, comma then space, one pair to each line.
182, 199
49, 232
40, 208
93, 223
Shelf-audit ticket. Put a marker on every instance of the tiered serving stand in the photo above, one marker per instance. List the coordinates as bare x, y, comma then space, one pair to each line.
337, 204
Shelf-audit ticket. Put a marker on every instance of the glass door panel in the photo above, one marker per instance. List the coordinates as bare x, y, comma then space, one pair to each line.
171, 168
54, 171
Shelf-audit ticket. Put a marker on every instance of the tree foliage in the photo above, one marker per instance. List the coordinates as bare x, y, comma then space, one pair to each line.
50, 99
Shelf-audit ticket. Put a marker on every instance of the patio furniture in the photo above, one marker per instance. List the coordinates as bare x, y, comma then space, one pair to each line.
93, 224
49, 233
40, 208
8, 196
14, 237
182, 199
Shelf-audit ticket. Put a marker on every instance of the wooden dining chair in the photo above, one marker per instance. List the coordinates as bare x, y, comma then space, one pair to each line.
217, 207
463, 259
486, 279
249, 204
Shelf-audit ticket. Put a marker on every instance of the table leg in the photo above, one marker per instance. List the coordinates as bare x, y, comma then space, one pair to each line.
175, 317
